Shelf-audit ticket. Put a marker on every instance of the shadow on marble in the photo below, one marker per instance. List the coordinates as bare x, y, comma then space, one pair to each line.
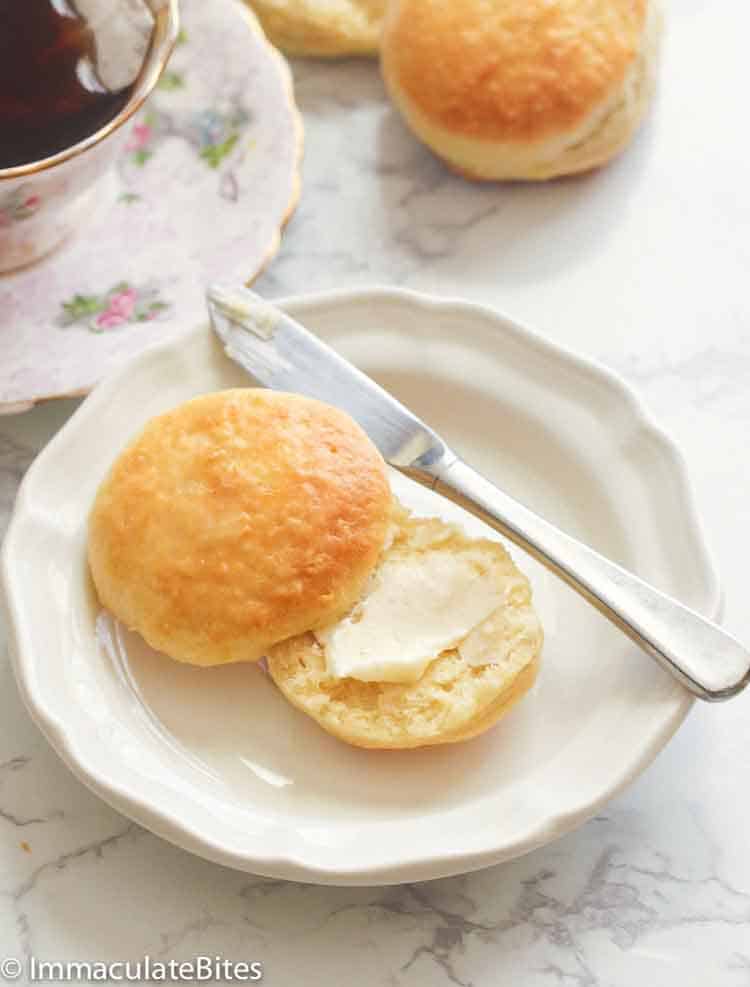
323, 87
22, 436
377, 206
493, 229
15, 459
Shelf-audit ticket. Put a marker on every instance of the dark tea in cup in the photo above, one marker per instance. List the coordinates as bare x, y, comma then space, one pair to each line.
52, 94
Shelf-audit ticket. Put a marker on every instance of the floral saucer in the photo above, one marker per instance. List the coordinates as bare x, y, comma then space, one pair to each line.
208, 178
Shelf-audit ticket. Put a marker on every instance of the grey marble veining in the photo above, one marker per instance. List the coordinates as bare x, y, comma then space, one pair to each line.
656, 889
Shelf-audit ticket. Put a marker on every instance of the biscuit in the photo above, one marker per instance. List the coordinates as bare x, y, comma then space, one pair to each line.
236, 520
532, 90
453, 700
325, 28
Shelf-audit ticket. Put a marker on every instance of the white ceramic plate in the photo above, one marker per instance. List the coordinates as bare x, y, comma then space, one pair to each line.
217, 762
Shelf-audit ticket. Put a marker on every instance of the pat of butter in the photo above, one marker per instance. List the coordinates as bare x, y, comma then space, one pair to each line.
414, 609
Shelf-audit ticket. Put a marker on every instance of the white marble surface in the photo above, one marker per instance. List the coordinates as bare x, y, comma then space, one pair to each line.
643, 266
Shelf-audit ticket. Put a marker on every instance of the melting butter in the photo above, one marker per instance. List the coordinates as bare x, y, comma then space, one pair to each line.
415, 608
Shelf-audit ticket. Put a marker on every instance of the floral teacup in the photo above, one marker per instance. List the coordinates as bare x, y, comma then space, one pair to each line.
43, 201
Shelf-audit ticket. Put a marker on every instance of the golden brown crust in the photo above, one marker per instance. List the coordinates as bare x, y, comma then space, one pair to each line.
510, 71
236, 520
453, 700
322, 28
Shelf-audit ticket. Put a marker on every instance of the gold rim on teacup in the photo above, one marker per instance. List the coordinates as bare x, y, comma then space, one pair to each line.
41, 202
163, 40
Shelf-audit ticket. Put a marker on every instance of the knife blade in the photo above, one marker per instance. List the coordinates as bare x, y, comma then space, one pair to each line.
279, 353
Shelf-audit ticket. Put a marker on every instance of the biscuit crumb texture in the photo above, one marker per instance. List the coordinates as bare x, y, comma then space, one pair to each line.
237, 520
455, 699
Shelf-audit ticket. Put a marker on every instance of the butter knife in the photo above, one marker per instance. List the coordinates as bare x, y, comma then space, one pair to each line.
281, 354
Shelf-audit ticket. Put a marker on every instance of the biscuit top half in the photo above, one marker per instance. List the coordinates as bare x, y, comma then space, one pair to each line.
509, 71
236, 520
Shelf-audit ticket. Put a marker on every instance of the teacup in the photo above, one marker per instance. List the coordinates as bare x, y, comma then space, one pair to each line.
42, 202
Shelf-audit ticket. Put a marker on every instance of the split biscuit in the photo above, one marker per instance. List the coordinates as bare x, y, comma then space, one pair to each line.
454, 699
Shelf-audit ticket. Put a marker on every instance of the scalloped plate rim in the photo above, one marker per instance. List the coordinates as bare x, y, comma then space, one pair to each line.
297, 866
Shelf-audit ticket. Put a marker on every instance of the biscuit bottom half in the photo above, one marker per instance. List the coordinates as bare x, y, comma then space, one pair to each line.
454, 699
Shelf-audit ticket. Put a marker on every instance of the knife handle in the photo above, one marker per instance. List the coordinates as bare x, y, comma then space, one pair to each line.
703, 657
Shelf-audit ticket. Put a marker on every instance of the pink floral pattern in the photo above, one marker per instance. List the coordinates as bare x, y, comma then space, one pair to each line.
120, 309
213, 134
18, 205
124, 304
140, 138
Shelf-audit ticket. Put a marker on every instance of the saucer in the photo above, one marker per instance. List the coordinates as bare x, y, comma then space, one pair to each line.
218, 762
207, 180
